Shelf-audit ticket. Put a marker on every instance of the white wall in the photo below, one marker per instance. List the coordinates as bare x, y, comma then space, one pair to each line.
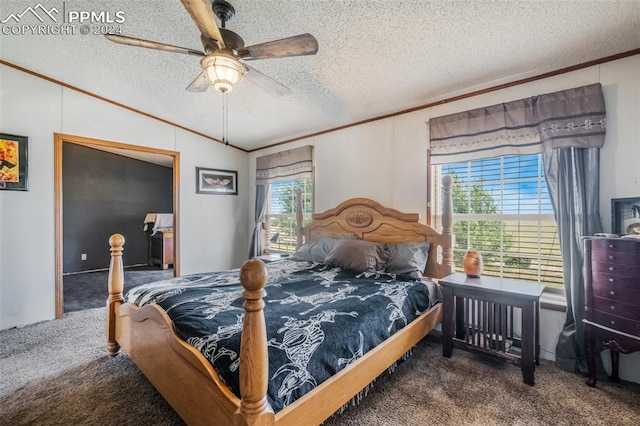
211, 237
386, 160
214, 235
26, 230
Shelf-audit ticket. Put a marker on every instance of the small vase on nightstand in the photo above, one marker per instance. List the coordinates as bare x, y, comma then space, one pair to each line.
472, 263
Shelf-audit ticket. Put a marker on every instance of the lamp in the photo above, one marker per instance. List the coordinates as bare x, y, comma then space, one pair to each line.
222, 71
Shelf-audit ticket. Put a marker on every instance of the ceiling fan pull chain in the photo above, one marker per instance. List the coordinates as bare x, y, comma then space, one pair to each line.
225, 120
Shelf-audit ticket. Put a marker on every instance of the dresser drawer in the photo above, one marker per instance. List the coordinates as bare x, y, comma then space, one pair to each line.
620, 324
613, 287
617, 308
620, 258
611, 281
616, 245
632, 271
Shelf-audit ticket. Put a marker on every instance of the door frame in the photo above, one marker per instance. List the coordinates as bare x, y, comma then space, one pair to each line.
59, 140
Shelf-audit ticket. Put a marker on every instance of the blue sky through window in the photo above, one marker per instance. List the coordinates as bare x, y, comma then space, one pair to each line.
276, 191
516, 183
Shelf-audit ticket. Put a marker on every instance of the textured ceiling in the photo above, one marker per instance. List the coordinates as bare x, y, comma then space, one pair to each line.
375, 57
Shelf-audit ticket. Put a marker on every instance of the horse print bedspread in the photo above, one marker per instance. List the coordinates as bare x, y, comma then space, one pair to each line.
319, 319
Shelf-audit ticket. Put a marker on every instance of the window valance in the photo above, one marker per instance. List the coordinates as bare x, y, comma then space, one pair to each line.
286, 165
569, 118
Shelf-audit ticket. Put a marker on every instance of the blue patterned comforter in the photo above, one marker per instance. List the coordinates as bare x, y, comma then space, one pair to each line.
319, 319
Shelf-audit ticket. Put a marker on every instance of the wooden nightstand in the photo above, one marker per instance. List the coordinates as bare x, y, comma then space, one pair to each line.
481, 311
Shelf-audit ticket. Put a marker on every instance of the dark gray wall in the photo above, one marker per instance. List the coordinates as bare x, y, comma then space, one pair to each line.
105, 193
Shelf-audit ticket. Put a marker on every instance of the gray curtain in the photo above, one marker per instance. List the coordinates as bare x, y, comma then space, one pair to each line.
285, 165
262, 192
569, 118
573, 182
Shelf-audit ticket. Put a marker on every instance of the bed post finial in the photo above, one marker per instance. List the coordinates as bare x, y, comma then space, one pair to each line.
116, 285
447, 220
254, 360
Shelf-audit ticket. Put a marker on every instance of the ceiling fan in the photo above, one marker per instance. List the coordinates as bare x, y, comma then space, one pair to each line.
223, 60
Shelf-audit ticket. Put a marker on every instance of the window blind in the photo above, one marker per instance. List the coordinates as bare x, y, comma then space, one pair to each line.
502, 208
281, 216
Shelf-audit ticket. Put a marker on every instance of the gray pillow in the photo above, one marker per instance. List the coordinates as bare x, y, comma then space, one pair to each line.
315, 251
408, 259
358, 255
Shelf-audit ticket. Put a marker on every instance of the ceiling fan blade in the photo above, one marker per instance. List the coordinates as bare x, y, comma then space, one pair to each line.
300, 45
202, 14
199, 84
132, 41
265, 82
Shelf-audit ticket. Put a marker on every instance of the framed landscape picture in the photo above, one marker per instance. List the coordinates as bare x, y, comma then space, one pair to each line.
13, 162
625, 215
214, 181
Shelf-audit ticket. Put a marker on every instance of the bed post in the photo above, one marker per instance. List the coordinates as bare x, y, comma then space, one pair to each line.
116, 285
299, 223
447, 220
254, 359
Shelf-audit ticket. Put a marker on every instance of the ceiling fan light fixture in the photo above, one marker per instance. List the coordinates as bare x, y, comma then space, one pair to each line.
223, 72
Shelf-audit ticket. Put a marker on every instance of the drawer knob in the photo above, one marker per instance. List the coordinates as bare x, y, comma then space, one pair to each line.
610, 245
611, 268
613, 308
613, 323
612, 293
610, 280
611, 257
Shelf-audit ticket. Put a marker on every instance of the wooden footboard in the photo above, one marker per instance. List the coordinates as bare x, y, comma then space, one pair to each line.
183, 376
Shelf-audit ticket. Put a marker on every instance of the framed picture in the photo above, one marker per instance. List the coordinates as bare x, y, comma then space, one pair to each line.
14, 162
214, 181
625, 215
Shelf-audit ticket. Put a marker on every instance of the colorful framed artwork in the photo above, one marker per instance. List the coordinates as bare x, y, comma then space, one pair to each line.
14, 162
625, 215
214, 181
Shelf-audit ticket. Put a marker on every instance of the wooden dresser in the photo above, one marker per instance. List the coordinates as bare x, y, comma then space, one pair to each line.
612, 299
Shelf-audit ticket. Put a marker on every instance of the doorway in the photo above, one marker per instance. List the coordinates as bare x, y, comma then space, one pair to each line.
149, 155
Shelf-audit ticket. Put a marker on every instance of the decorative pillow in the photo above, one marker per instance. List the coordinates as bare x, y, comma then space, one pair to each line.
358, 255
408, 259
317, 250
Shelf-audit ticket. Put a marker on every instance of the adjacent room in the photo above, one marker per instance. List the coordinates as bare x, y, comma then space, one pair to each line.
320, 212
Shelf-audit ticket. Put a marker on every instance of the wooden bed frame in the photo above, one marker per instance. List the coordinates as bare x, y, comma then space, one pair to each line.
186, 379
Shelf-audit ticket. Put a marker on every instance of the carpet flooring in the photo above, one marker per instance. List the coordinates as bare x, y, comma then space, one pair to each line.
88, 290
57, 373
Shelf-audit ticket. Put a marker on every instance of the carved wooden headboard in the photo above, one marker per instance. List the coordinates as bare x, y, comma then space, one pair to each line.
368, 220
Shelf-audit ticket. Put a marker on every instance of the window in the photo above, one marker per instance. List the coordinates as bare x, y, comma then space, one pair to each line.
281, 214
502, 208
